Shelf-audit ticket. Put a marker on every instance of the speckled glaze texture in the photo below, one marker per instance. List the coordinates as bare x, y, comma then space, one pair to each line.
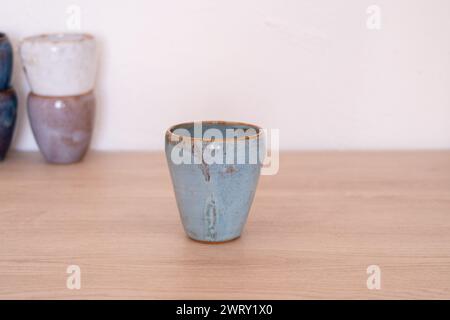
213, 199
62, 126
6, 61
60, 64
8, 114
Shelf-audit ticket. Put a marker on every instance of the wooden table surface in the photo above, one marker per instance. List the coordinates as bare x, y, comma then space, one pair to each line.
313, 230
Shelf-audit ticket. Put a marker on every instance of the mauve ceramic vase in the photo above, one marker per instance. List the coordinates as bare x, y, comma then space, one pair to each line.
59, 65
8, 114
62, 126
213, 198
6, 61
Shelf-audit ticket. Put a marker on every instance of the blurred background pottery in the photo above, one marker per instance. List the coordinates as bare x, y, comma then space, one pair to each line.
213, 199
62, 126
8, 114
60, 64
6, 61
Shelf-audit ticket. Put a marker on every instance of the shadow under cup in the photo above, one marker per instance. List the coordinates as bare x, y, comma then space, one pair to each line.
215, 168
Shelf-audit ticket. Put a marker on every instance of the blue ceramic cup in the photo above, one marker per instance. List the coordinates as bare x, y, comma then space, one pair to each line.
215, 168
6, 61
8, 111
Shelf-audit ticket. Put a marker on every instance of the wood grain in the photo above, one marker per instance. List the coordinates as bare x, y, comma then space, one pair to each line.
313, 230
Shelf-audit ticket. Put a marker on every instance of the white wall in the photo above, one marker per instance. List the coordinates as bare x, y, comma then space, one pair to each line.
310, 68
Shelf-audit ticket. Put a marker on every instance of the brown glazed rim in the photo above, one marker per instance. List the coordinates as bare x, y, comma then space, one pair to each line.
59, 37
8, 90
62, 97
259, 130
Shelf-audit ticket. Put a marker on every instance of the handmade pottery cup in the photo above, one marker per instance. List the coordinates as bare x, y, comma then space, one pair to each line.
62, 126
60, 64
8, 114
215, 168
6, 61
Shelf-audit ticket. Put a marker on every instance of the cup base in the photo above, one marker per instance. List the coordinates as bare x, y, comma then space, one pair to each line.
214, 242
63, 162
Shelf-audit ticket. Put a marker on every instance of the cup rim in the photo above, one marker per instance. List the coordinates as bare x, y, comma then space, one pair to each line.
169, 131
60, 37
8, 90
87, 93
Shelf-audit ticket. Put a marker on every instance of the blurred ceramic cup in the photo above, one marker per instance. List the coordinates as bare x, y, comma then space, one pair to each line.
60, 65
215, 168
6, 61
61, 70
8, 112
62, 126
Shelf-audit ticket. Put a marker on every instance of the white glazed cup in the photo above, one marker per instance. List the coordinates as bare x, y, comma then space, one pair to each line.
60, 64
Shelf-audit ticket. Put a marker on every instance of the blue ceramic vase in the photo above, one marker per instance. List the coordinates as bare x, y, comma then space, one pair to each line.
6, 62
215, 168
8, 112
